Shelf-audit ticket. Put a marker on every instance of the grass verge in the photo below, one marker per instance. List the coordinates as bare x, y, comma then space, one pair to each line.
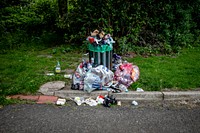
22, 71
180, 72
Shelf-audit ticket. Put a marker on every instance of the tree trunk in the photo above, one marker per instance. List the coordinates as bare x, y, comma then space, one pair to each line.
63, 9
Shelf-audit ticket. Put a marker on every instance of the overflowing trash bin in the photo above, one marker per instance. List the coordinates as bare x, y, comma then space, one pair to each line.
100, 48
97, 74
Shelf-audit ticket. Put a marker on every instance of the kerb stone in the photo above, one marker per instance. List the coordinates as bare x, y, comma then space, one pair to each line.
49, 88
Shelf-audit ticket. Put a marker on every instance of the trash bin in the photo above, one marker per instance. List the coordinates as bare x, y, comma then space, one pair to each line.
102, 54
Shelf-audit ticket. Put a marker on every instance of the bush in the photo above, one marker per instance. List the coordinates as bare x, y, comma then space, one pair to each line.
25, 24
161, 26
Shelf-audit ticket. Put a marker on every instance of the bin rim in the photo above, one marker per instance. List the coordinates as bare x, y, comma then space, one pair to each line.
101, 48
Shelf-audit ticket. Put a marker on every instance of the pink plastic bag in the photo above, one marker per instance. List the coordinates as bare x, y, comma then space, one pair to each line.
126, 74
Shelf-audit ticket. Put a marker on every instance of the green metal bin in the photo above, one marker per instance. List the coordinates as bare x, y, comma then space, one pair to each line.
102, 54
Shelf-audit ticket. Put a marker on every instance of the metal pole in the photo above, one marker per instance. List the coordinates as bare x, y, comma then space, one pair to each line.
99, 58
90, 55
95, 58
111, 56
104, 58
108, 59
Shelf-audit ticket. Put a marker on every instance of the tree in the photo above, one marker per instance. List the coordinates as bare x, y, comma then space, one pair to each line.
63, 9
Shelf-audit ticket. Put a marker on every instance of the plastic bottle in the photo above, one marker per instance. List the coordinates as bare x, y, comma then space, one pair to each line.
84, 65
89, 66
134, 103
123, 88
92, 62
58, 68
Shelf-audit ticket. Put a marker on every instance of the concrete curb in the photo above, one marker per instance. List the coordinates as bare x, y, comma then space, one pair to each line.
124, 96
181, 95
133, 95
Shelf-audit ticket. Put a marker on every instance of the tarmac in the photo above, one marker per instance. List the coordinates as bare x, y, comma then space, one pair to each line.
146, 117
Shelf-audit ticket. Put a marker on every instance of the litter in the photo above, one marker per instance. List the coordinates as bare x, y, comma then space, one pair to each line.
117, 61
119, 103
92, 82
58, 68
139, 90
78, 77
90, 78
100, 46
79, 100
123, 88
98, 77
86, 54
60, 101
50, 74
91, 102
99, 38
68, 76
126, 74
104, 73
90, 75
134, 103
109, 100
100, 99
116, 87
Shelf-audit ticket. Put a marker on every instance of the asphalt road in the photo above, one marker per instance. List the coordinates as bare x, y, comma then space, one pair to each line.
144, 118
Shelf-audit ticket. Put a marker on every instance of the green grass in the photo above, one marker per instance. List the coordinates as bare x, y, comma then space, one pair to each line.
23, 71
180, 72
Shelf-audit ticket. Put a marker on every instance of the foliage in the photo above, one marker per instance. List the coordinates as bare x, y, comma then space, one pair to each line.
27, 22
163, 26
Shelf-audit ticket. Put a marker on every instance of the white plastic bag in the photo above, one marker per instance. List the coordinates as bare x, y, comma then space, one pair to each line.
91, 82
105, 74
98, 77
79, 76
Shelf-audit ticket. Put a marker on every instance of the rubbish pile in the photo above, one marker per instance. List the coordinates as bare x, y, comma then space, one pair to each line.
96, 73
102, 70
89, 78
99, 38
106, 101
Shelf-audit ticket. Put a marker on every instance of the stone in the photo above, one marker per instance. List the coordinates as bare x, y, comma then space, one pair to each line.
49, 88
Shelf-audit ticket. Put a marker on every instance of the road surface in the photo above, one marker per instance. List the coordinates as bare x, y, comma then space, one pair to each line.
147, 117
